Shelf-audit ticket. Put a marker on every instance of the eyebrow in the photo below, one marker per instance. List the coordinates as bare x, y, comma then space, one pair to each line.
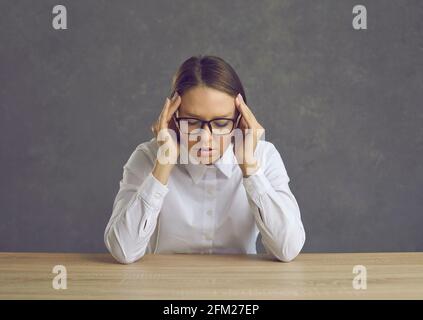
188, 114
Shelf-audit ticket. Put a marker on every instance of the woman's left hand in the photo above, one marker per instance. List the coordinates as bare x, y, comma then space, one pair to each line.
251, 132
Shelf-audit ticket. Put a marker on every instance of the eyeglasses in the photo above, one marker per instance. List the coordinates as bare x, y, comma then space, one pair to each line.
217, 126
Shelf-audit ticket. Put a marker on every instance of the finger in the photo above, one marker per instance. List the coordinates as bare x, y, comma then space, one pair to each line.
167, 111
246, 108
162, 118
238, 106
153, 129
173, 106
167, 100
243, 111
244, 124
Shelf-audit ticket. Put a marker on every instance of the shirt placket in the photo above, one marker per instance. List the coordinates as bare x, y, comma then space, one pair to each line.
209, 212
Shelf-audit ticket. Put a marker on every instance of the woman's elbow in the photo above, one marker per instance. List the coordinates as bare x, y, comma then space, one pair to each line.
287, 257
290, 251
123, 259
117, 252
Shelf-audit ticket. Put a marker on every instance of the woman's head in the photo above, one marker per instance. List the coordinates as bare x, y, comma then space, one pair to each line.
208, 86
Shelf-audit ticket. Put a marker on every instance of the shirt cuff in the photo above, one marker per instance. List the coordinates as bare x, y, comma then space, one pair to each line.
256, 184
152, 191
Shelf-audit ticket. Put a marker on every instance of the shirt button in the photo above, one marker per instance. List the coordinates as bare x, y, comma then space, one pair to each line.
209, 212
157, 195
210, 191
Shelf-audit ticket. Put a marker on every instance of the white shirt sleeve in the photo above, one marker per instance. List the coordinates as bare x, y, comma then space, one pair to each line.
275, 208
135, 210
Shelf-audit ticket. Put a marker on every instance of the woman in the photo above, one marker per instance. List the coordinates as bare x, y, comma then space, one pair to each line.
223, 196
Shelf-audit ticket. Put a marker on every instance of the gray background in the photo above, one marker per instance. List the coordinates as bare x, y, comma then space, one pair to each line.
343, 107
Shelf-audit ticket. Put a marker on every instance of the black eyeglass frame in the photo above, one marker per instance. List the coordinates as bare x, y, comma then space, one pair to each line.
235, 122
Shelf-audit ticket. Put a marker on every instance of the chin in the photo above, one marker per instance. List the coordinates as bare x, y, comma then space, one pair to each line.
208, 161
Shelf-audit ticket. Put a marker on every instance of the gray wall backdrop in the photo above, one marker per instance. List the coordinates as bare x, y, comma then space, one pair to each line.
343, 107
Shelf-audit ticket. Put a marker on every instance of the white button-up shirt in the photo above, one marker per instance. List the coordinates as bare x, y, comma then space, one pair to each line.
204, 208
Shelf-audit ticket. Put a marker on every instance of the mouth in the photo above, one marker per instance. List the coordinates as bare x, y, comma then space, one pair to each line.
206, 151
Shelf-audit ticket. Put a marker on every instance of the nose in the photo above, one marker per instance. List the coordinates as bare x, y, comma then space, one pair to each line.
206, 132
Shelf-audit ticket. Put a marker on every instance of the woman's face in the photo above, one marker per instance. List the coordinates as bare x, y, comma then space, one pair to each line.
206, 103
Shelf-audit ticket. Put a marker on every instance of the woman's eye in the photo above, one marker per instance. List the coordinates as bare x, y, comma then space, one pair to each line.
221, 123
193, 122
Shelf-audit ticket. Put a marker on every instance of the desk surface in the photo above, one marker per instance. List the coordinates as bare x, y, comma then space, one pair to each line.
182, 276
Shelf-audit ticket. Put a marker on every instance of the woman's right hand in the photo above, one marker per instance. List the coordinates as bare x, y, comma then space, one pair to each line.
161, 130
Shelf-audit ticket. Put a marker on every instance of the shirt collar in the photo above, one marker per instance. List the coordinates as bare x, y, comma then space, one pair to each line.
226, 164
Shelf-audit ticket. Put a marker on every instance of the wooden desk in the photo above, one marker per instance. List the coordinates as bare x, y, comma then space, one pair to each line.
180, 276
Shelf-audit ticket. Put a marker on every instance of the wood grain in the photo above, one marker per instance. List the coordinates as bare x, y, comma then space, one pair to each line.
183, 276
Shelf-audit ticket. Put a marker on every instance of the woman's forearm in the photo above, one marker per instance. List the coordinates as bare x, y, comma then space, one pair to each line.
162, 172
